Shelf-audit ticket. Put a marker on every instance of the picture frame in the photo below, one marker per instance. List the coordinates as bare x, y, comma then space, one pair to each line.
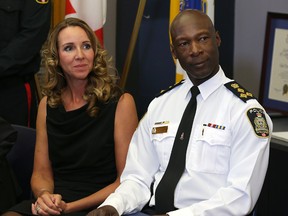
274, 76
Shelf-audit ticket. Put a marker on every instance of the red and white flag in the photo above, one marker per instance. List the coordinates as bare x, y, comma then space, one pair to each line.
93, 12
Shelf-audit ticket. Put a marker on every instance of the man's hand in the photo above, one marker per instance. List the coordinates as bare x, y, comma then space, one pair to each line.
104, 211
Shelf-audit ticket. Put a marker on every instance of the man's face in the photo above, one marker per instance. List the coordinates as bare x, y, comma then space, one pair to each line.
195, 44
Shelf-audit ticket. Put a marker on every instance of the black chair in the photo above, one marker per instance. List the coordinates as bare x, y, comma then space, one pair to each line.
21, 158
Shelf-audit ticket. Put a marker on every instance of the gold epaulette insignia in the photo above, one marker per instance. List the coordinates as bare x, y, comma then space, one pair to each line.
170, 87
239, 91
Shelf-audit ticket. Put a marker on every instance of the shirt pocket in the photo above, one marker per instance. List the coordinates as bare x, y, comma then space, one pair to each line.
163, 143
11, 6
10, 11
210, 151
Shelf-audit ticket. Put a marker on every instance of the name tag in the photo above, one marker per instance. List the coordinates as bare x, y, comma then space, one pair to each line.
158, 130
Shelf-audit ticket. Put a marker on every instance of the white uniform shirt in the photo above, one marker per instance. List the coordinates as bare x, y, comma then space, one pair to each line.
226, 160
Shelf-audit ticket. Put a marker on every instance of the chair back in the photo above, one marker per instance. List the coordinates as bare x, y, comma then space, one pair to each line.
21, 158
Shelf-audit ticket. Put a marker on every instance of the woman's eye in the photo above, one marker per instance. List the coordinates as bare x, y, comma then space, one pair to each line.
68, 48
87, 46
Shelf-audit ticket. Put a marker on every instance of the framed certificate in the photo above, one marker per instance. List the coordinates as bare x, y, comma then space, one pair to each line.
274, 78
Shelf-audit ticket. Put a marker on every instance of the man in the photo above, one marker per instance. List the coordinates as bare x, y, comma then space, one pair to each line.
24, 27
228, 149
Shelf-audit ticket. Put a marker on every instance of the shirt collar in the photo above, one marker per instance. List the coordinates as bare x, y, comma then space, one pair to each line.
209, 86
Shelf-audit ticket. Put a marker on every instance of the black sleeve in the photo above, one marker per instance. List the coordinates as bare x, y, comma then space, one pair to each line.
35, 19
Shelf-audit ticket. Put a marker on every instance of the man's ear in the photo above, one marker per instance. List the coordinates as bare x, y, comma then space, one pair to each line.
173, 51
218, 38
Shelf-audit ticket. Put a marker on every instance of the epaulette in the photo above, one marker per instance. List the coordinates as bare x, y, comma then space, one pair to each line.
170, 87
239, 91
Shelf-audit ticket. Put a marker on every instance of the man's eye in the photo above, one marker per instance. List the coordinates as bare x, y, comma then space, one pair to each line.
183, 44
203, 38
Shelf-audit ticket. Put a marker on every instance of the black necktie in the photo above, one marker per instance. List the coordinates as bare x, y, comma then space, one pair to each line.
164, 195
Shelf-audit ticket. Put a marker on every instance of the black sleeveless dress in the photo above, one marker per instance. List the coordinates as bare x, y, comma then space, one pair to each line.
81, 151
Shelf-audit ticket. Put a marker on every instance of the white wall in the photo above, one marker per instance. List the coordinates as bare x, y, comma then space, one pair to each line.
250, 26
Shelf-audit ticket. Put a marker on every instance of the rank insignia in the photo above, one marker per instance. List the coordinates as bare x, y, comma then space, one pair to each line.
42, 1
258, 121
170, 87
239, 91
161, 122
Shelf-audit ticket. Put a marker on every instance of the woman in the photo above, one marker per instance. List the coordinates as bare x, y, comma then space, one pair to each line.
84, 126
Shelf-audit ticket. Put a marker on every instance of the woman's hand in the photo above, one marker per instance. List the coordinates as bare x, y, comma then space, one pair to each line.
48, 204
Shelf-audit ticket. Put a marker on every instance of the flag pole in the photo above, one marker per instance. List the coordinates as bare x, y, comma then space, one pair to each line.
132, 43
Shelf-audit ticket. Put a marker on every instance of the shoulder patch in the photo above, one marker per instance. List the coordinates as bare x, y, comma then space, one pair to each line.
42, 1
239, 91
258, 121
170, 87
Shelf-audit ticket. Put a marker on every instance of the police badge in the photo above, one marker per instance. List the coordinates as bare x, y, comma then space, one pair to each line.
258, 121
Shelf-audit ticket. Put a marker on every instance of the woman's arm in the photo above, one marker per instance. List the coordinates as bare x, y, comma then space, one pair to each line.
126, 121
42, 182
42, 177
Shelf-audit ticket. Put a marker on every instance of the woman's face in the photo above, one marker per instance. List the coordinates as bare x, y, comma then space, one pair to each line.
75, 53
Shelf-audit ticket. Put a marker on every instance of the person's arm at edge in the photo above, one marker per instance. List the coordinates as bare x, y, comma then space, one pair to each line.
35, 25
42, 177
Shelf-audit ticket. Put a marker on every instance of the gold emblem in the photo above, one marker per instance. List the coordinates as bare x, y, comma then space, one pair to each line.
240, 90
249, 94
42, 1
243, 95
260, 124
235, 85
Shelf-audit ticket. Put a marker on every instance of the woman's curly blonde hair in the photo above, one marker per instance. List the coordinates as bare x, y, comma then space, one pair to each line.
102, 80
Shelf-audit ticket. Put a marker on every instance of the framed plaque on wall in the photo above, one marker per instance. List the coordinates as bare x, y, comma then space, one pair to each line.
274, 78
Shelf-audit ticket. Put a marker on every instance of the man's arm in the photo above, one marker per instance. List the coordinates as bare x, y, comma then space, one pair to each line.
35, 24
141, 164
